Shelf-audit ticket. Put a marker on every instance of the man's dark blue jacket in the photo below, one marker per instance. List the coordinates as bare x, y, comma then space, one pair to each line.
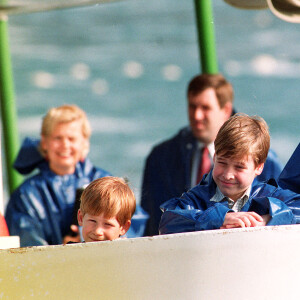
167, 174
194, 211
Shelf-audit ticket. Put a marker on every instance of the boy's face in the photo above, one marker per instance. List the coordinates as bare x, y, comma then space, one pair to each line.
99, 228
234, 176
64, 147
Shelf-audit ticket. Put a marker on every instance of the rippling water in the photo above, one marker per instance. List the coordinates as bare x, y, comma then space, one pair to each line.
127, 65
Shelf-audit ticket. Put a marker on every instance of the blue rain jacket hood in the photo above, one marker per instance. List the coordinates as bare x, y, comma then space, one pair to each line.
40, 211
290, 175
194, 211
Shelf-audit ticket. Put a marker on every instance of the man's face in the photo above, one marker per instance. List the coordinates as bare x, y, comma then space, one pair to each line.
206, 116
100, 228
234, 176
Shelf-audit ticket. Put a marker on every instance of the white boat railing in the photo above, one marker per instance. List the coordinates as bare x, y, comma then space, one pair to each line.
253, 263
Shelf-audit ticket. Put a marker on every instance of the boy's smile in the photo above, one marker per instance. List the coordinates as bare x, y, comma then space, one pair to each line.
234, 176
99, 228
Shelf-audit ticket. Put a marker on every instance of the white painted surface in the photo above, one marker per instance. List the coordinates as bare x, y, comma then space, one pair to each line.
9, 242
255, 263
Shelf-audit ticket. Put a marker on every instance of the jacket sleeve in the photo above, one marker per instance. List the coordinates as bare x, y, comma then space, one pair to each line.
280, 213
189, 214
22, 221
291, 200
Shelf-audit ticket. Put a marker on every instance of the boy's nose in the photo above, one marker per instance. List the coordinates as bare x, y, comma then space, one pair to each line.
228, 175
99, 230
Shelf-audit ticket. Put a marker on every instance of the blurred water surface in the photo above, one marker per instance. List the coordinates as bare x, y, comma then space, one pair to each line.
127, 64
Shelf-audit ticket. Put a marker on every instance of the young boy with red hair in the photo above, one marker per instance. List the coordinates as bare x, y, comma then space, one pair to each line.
106, 208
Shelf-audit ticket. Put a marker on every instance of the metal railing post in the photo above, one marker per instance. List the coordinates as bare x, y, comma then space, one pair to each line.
8, 108
206, 36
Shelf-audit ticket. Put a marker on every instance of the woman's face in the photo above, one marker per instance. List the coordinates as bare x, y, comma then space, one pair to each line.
64, 147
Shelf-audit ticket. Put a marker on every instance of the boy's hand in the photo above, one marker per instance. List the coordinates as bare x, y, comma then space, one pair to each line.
74, 236
243, 219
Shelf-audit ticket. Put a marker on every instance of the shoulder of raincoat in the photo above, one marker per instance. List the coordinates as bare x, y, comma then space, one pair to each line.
194, 211
290, 175
29, 157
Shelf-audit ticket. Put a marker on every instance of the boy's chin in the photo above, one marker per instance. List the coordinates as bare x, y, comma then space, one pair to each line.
230, 194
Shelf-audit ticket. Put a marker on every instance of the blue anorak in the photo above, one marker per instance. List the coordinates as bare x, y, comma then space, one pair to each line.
167, 173
290, 175
194, 211
41, 210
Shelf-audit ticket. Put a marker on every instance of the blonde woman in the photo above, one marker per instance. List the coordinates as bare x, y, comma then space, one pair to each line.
40, 211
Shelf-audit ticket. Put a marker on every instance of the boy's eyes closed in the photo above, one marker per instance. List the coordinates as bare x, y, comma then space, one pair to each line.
240, 167
108, 224
236, 166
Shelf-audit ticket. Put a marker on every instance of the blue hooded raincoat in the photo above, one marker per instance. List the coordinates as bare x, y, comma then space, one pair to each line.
194, 211
40, 211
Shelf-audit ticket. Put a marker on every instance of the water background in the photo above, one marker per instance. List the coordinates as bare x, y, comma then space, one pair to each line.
127, 64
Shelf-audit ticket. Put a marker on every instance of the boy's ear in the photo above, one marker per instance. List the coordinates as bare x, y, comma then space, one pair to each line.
259, 169
125, 227
79, 217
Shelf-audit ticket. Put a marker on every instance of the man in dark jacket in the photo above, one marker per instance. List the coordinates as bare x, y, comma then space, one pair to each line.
172, 166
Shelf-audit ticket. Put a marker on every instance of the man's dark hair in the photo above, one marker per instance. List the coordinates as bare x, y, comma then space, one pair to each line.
222, 88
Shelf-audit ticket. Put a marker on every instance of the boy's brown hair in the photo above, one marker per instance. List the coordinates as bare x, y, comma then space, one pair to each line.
110, 196
222, 88
244, 135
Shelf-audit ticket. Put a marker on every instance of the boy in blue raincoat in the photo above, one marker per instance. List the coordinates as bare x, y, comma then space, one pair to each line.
228, 197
